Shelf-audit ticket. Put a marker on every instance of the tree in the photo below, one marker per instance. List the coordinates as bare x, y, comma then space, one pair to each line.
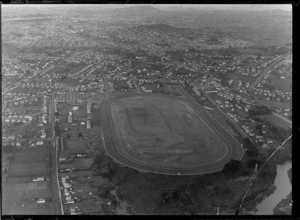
258, 127
104, 165
8, 148
56, 130
247, 143
251, 153
232, 167
104, 191
259, 110
177, 200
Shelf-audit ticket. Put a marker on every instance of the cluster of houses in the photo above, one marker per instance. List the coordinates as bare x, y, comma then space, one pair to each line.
13, 118
45, 109
17, 98
276, 95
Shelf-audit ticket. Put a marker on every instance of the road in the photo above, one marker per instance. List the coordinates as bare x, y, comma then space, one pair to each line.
25, 67
17, 82
55, 188
264, 72
4, 107
111, 146
107, 88
283, 118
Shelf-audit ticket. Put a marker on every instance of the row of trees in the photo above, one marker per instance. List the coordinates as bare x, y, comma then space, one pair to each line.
253, 156
259, 110
177, 199
104, 165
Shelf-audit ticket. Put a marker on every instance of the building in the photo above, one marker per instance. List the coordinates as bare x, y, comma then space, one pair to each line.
70, 117
62, 144
88, 124
89, 108
55, 105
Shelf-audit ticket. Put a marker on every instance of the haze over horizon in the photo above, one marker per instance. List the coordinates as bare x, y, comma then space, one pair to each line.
247, 7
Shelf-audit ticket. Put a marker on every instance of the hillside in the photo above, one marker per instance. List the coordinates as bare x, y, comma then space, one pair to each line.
167, 29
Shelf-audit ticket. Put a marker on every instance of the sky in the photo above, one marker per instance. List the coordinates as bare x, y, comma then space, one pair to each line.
254, 7
285, 7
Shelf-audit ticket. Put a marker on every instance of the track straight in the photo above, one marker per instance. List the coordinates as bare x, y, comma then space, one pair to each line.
237, 149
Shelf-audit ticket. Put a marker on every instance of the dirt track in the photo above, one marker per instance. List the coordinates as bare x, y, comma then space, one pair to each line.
169, 147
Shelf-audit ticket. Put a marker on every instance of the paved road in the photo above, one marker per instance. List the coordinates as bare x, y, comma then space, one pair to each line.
264, 72
111, 148
17, 82
283, 118
25, 67
4, 107
55, 188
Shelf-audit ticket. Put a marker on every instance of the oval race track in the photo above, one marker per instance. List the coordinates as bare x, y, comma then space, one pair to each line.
233, 147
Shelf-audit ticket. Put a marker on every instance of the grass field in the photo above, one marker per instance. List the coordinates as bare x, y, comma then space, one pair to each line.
280, 84
82, 111
29, 162
164, 132
19, 198
27, 131
78, 163
276, 121
249, 51
166, 89
76, 146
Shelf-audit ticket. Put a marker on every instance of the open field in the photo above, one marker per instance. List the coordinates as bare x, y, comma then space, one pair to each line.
84, 163
27, 131
253, 51
276, 121
20, 198
162, 134
280, 84
82, 111
29, 162
166, 89
167, 134
76, 146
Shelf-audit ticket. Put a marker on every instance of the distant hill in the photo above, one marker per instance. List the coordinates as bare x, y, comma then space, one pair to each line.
136, 10
167, 29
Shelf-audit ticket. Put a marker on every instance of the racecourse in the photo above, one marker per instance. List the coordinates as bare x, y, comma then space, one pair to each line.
114, 146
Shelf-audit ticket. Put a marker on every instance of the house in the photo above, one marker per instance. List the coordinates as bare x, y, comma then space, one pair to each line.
41, 201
